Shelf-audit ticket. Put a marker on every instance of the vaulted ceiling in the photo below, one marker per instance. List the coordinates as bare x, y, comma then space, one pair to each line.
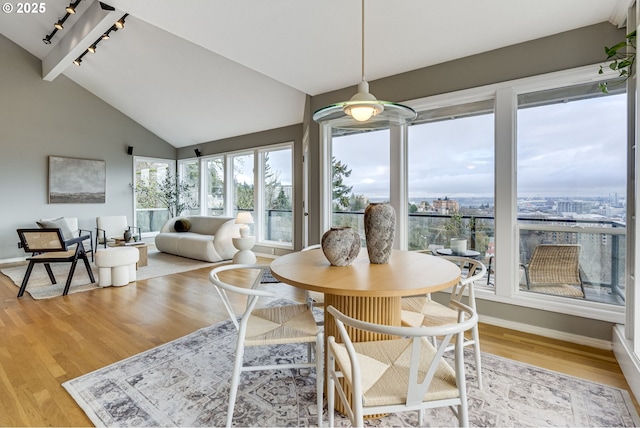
194, 71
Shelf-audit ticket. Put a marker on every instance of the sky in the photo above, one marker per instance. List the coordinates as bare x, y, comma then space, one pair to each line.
566, 149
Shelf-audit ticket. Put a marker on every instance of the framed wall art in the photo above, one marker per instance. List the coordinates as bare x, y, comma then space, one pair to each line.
76, 181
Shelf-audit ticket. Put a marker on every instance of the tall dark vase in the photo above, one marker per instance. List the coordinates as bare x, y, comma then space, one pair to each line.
379, 230
341, 245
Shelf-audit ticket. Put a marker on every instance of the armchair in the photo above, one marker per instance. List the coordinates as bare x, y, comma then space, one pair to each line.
49, 246
108, 228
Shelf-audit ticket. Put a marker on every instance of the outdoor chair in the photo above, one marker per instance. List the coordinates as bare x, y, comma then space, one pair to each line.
422, 310
268, 326
49, 246
555, 269
399, 374
110, 228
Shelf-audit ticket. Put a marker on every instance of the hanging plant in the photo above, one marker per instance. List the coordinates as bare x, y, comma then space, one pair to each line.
622, 57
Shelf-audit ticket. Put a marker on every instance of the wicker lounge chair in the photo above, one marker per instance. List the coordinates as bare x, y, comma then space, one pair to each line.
555, 269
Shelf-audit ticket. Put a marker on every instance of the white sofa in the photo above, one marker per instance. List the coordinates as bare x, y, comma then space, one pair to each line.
207, 239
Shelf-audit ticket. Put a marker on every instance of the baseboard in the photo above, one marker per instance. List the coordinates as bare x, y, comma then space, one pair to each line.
13, 260
627, 360
546, 332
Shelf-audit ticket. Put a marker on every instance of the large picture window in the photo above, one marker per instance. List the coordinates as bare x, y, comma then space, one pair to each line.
571, 191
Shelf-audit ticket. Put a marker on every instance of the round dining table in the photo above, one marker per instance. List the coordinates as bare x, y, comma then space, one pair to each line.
363, 290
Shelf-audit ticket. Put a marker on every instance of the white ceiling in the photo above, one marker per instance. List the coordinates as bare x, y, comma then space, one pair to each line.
193, 71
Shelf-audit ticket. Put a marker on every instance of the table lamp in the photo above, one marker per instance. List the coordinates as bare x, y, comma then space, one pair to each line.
244, 218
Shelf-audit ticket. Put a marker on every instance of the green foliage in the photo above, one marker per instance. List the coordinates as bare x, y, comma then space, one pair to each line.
177, 197
622, 57
341, 191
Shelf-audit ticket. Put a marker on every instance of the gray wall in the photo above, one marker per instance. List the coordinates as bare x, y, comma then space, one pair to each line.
39, 119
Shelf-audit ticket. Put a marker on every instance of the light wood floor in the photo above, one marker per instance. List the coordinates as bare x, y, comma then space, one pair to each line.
47, 342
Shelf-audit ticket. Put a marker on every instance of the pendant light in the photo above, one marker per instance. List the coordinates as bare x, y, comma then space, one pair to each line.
363, 110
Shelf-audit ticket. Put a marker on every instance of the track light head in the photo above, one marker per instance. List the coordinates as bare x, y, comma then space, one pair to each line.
120, 23
198, 152
58, 25
70, 9
47, 40
92, 49
77, 61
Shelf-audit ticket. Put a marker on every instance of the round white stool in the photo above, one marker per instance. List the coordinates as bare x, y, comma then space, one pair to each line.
116, 266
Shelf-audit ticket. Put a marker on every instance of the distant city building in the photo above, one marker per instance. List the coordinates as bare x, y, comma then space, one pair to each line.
446, 206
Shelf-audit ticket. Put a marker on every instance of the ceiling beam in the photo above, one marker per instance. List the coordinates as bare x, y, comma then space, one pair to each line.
91, 25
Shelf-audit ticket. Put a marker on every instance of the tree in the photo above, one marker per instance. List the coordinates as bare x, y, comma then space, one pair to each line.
176, 196
341, 191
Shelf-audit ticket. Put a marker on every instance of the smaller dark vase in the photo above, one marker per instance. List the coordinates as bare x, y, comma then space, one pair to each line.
127, 235
341, 245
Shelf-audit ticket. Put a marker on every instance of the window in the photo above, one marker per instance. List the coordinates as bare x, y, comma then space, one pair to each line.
509, 166
189, 178
215, 185
451, 178
572, 184
277, 196
360, 174
151, 177
256, 181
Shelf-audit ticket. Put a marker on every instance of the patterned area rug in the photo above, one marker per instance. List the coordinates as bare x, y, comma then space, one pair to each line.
186, 382
40, 287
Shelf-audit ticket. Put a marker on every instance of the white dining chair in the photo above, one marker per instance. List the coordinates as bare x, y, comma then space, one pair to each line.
406, 372
269, 326
314, 298
422, 310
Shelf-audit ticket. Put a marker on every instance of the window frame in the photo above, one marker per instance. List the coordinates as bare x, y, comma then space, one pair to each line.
505, 192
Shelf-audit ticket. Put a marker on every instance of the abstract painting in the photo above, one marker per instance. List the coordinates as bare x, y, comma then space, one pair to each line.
76, 181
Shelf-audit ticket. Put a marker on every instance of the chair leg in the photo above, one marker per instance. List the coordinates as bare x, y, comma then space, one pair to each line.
88, 266
331, 366
47, 267
23, 286
476, 350
319, 375
70, 277
235, 381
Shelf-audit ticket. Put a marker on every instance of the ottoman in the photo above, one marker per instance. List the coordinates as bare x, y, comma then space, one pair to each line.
116, 266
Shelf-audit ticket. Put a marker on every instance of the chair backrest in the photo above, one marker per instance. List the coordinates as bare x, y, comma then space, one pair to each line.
113, 225
417, 384
312, 247
67, 225
555, 264
474, 269
253, 294
41, 240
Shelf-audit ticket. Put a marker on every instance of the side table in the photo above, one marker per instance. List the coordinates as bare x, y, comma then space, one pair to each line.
245, 255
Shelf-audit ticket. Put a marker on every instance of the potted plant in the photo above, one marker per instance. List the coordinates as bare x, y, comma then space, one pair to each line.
622, 57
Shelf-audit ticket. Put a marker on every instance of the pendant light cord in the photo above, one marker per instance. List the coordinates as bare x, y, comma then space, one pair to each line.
362, 36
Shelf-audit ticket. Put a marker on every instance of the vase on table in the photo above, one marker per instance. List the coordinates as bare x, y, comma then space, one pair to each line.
458, 246
127, 235
379, 230
341, 245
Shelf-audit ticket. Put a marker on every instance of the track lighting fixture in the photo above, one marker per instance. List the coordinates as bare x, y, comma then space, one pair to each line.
105, 36
70, 10
120, 23
198, 152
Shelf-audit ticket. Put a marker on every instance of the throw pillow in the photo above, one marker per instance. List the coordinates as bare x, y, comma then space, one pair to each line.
57, 223
182, 225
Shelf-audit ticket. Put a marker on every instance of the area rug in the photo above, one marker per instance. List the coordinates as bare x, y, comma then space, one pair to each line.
40, 287
186, 383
